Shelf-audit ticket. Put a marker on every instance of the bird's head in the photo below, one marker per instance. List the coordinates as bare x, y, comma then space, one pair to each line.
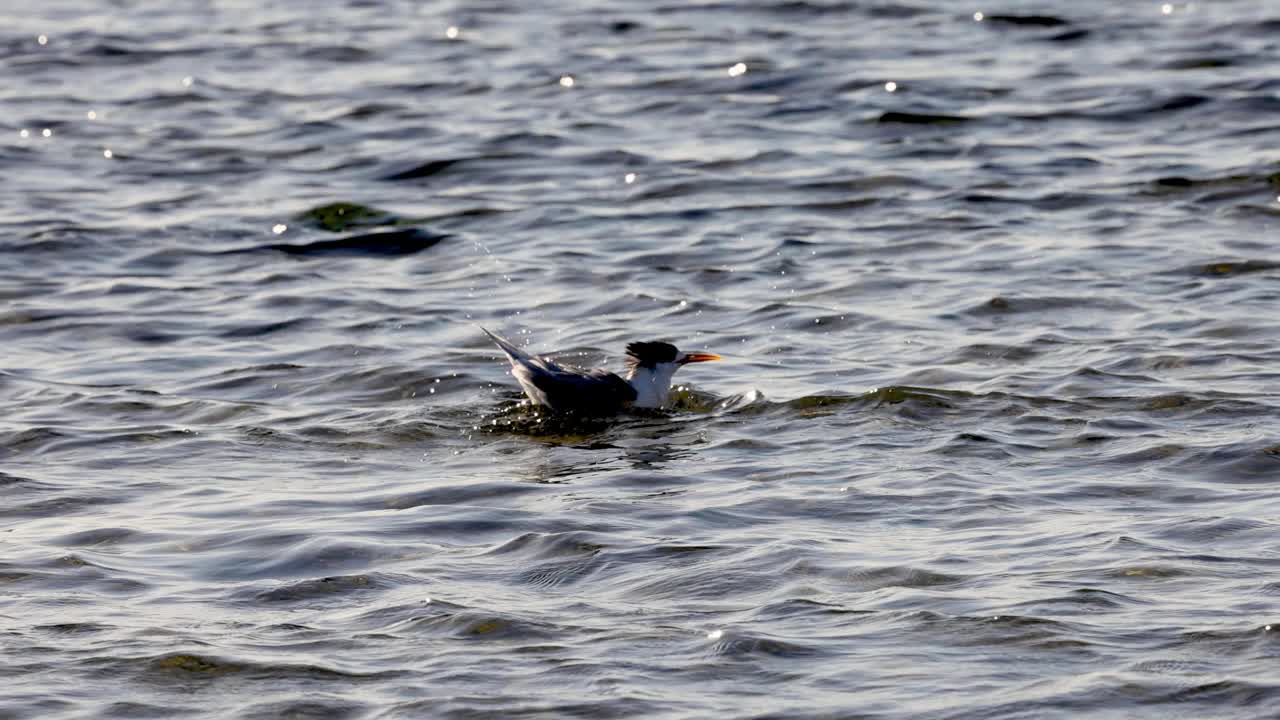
661, 357
650, 366
656, 355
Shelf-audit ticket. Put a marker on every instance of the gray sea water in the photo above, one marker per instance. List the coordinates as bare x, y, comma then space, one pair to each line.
997, 432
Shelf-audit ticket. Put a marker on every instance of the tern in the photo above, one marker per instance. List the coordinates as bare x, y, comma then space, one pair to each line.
650, 366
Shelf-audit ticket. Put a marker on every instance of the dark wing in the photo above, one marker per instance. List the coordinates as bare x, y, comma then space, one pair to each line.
590, 392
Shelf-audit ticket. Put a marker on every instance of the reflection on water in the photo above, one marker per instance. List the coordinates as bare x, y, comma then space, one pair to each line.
994, 436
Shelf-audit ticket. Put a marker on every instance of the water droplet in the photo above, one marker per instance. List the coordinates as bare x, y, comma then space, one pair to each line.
566, 81
891, 86
737, 69
279, 228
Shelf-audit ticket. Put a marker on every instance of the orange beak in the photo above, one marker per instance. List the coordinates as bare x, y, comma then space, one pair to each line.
698, 357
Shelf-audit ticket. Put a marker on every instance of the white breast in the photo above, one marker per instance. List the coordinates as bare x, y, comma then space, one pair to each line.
653, 385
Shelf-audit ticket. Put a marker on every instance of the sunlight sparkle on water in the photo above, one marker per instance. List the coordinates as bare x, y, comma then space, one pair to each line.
1167, 9
188, 81
891, 86
43, 39
737, 69
566, 81
46, 132
978, 16
108, 154
629, 178
451, 32
24, 133
92, 114
279, 228
715, 634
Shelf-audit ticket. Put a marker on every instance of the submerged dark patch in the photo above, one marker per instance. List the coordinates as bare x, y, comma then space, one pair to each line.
381, 244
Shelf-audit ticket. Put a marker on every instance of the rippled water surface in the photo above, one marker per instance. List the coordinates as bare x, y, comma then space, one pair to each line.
996, 434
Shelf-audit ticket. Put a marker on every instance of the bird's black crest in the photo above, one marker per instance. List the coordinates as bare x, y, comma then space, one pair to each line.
649, 354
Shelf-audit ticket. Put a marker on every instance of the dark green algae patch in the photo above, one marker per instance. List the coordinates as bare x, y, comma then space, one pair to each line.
338, 217
308, 590
188, 666
196, 664
386, 234
343, 216
393, 234
1226, 269
389, 235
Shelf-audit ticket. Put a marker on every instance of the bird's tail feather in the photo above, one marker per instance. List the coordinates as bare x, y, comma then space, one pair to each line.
514, 354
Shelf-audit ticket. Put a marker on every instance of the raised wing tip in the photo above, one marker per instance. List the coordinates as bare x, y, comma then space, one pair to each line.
496, 338
503, 344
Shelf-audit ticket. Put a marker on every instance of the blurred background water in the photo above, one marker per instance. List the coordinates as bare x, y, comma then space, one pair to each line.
996, 435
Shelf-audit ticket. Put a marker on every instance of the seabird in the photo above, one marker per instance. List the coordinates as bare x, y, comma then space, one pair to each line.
650, 366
